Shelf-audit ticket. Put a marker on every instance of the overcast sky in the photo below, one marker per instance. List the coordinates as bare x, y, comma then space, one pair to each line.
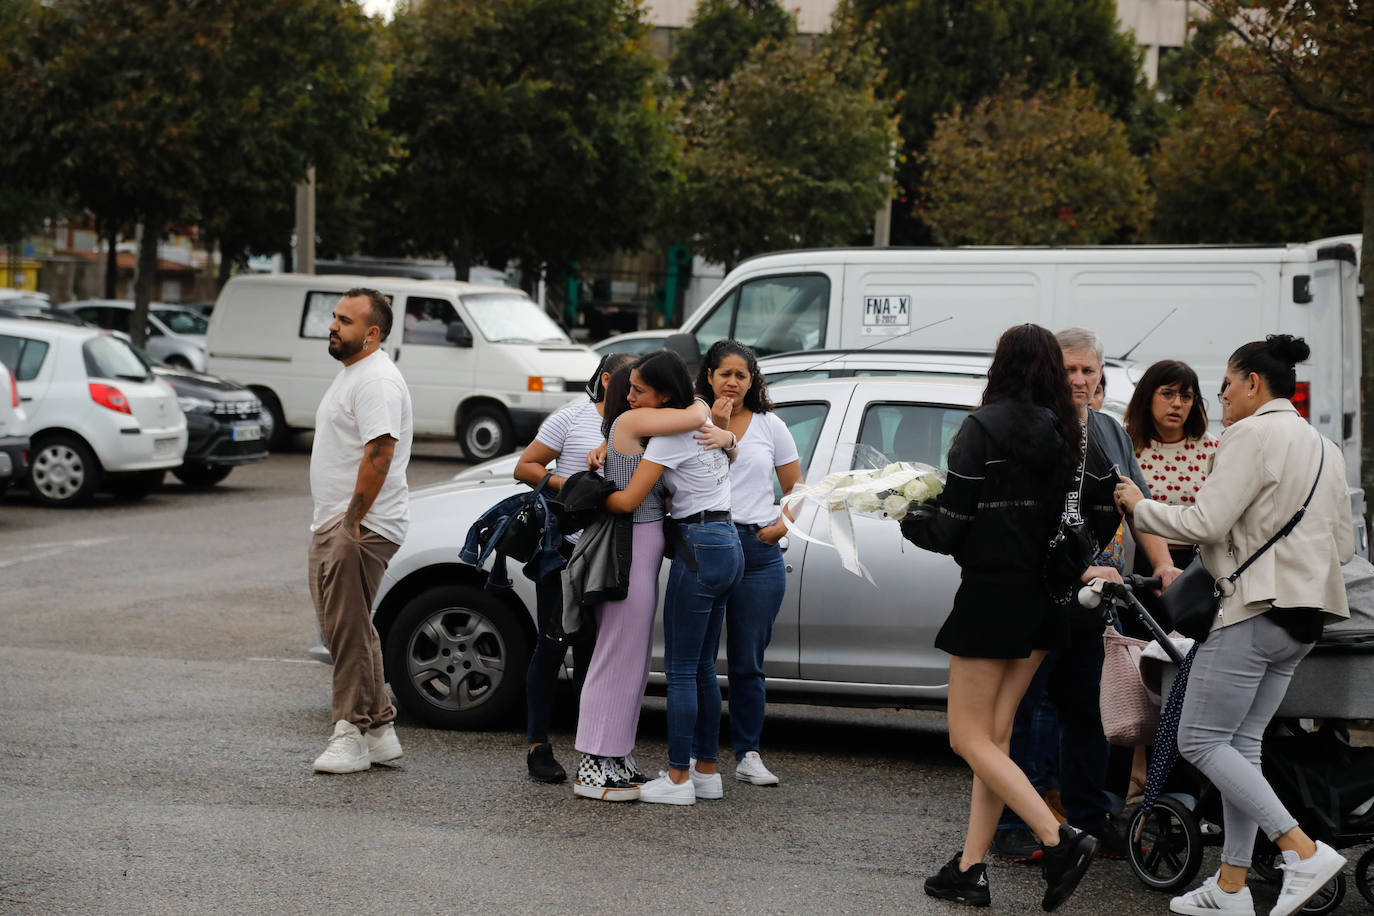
373, 7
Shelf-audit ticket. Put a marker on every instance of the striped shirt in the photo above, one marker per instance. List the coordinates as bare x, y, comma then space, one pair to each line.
572, 432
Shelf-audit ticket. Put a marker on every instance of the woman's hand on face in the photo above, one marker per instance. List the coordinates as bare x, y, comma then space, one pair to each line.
596, 458
1127, 495
721, 410
709, 437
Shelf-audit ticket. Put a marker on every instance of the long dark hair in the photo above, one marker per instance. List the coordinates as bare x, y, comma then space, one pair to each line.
617, 398
1273, 359
1140, 415
666, 373
756, 398
609, 363
1029, 366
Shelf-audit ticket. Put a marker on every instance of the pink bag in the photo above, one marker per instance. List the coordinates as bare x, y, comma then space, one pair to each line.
1130, 710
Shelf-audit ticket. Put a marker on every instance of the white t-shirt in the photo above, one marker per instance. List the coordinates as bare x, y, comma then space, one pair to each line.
366, 400
572, 432
697, 479
765, 445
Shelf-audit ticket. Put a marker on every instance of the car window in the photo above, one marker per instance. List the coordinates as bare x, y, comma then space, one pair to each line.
23, 355
179, 322
114, 319
798, 375
907, 432
110, 357
318, 315
427, 321
782, 314
804, 420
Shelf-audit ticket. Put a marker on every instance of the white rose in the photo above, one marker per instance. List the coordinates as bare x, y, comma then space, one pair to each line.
896, 506
917, 491
865, 502
936, 485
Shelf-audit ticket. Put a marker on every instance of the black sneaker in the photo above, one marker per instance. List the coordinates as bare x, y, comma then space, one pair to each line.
542, 766
967, 887
1065, 865
1017, 844
1111, 841
629, 770
598, 778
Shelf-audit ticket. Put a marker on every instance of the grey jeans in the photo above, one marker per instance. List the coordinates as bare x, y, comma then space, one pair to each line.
1238, 680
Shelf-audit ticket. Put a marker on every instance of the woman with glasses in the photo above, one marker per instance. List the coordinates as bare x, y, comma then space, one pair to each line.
1167, 423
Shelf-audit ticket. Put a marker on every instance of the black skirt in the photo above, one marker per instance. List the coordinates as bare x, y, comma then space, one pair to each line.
1002, 616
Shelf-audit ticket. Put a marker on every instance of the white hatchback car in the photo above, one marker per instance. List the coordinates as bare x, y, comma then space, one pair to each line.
14, 430
97, 415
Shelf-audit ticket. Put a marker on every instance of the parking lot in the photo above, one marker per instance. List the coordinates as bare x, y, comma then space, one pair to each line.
162, 716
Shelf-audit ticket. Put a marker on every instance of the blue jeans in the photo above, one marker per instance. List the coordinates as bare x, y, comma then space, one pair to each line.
1072, 680
548, 656
749, 617
693, 611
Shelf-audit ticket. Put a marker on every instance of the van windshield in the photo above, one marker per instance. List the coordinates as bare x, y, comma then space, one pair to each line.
512, 318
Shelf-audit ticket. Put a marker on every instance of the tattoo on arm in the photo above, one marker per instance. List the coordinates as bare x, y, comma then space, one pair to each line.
357, 508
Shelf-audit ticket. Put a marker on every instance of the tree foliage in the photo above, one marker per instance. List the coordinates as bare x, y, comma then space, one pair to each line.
720, 36
533, 131
1042, 168
941, 54
795, 150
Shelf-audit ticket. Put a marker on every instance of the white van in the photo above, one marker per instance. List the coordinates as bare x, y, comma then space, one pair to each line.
1147, 303
484, 363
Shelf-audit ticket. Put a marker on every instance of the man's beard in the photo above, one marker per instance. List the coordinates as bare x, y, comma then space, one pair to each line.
342, 349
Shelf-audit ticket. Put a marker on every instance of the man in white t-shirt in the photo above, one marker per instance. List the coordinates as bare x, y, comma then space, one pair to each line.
358, 464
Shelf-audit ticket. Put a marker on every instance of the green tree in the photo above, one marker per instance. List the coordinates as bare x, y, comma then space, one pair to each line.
719, 37
1318, 52
533, 131
793, 151
940, 54
1043, 168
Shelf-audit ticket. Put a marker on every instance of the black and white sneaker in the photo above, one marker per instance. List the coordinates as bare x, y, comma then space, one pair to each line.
967, 887
598, 778
1064, 865
629, 770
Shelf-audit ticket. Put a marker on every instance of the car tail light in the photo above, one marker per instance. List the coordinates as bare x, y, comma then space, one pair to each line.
110, 397
14, 389
1302, 400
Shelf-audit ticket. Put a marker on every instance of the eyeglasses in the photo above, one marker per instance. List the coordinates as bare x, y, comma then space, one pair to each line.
1172, 394
1225, 383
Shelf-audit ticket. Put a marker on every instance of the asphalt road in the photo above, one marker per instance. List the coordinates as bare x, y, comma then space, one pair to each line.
160, 718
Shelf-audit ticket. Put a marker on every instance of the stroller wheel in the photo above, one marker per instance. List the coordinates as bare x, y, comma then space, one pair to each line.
1266, 860
1165, 845
1364, 875
1326, 899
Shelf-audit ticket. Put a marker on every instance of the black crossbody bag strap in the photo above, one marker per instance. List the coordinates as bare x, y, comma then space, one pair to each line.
1288, 528
1073, 499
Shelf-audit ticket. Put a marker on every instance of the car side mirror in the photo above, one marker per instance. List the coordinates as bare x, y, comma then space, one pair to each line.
458, 334
685, 346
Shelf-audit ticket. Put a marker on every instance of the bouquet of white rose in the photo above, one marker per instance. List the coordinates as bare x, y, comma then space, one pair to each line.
886, 492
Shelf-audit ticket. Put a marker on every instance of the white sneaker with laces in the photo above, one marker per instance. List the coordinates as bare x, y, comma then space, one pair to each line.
663, 791
750, 769
706, 785
1209, 899
1304, 877
382, 744
346, 751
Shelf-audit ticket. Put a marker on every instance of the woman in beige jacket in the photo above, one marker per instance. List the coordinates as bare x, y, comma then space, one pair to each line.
1263, 470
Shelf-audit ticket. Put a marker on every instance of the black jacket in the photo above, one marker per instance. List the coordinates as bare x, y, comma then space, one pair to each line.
1004, 493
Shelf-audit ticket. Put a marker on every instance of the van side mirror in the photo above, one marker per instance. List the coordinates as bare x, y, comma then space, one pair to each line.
686, 346
458, 333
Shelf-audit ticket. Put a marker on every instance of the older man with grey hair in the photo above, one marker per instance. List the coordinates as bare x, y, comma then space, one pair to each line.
1070, 679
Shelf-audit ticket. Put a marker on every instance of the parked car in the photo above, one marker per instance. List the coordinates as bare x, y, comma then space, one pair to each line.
16, 303
635, 342
176, 333
456, 651
223, 423
97, 415
14, 431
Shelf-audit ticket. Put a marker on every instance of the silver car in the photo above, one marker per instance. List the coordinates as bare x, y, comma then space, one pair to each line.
456, 652
176, 333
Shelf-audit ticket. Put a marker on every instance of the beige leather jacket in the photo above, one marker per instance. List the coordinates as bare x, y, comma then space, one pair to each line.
1261, 474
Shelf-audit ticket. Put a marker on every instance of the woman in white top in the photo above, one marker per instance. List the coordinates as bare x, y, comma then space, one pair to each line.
730, 379
564, 439
707, 564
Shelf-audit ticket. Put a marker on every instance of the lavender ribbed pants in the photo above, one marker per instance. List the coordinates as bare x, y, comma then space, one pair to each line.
608, 716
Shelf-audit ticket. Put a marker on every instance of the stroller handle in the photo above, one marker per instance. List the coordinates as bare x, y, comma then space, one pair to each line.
1122, 594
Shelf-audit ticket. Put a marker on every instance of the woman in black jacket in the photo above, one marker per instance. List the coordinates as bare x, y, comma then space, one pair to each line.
1009, 468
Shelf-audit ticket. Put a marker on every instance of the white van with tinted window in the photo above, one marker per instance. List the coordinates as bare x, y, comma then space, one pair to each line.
483, 363
1147, 303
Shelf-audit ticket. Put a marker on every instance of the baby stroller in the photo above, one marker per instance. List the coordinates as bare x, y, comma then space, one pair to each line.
1324, 781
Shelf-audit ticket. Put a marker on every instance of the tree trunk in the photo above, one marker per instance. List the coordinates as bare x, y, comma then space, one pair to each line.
1367, 326
111, 260
461, 255
145, 278
226, 266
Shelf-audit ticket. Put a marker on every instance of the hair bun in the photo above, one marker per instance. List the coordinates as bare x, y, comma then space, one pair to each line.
1288, 349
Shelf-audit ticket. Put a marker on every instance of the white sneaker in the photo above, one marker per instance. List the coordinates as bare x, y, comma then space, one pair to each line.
382, 744
706, 785
346, 751
750, 769
1209, 899
1304, 877
664, 791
